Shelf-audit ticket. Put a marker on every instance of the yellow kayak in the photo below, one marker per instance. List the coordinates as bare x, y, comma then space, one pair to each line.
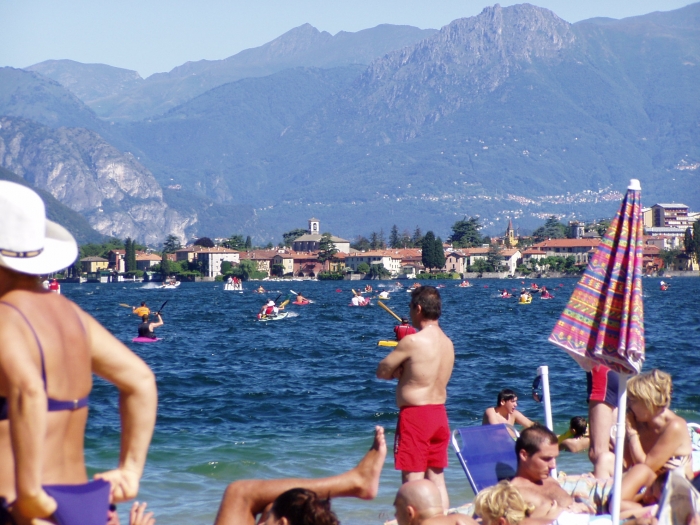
387, 343
525, 300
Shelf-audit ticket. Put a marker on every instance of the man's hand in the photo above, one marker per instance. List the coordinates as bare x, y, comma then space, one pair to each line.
39, 506
138, 515
124, 484
397, 373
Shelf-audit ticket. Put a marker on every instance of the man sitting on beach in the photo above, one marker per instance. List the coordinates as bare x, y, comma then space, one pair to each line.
423, 364
418, 503
505, 411
297, 501
537, 449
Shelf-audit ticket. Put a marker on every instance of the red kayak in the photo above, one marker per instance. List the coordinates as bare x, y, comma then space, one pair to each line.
300, 302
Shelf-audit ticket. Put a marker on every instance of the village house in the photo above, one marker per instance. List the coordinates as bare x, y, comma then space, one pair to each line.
188, 253
144, 261
388, 259
93, 264
671, 215
306, 265
511, 259
455, 262
580, 249
261, 258
211, 259
116, 260
310, 241
474, 254
533, 255
286, 261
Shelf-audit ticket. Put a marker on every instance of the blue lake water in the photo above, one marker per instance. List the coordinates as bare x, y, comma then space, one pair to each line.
298, 397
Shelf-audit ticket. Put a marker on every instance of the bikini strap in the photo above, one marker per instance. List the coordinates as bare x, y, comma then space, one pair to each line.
36, 337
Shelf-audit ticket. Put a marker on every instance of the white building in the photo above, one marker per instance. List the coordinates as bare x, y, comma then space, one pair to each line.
211, 259
309, 242
387, 259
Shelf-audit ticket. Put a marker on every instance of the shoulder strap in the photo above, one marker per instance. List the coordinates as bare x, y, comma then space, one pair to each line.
36, 338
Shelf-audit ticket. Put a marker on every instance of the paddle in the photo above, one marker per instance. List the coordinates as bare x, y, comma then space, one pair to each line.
161, 307
293, 292
126, 305
389, 310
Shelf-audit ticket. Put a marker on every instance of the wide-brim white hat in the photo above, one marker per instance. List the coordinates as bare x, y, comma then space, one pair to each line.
30, 243
271, 303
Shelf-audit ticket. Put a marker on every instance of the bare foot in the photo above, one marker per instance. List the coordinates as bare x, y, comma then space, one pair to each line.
370, 467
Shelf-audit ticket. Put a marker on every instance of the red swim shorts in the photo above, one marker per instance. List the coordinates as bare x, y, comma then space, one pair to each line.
602, 385
422, 437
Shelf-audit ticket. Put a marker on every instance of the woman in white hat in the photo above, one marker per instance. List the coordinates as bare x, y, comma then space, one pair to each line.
49, 349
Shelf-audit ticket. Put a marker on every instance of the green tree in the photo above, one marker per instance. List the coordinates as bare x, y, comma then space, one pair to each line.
428, 251
465, 233
246, 270
669, 258
165, 265
249, 243
171, 244
277, 270
291, 235
552, 229
234, 242
405, 240
204, 242
439, 254
363, 268
696, 240
376, 241
226, 267
130, 255
494, 259
394, 239
417, 238
377, 271
692, 241
326, 249
361, 244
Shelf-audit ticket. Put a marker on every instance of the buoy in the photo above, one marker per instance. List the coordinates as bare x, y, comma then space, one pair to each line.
339, 290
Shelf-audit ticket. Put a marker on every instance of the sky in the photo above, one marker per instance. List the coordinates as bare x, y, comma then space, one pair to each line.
152, 36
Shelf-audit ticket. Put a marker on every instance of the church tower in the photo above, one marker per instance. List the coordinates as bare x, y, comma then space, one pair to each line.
511, 239
314, 226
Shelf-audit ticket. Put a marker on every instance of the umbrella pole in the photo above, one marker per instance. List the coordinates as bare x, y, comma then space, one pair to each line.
543, 372
619, 447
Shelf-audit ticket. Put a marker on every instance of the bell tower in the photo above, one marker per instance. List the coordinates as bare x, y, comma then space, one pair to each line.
314, 226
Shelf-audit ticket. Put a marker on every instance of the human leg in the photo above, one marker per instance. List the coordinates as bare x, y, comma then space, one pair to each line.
600, 417
244, 499
437, 476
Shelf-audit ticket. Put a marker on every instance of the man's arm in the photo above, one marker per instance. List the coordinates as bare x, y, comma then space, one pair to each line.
156, 325
27, 408
390, 364
520, 419
138, 401
491, 417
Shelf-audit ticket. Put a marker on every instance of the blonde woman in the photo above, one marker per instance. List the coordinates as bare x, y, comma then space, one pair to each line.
657, 440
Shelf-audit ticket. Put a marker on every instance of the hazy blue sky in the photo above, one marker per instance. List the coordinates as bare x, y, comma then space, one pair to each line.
150, 36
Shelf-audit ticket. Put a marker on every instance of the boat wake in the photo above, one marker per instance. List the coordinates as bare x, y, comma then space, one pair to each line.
151, 286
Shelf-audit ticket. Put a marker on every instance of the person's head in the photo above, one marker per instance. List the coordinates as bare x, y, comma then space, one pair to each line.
507, 398
404, 320
417, 501
144, 318
536, 449
271, 303
578, 426
426, 301
143, 303
501, 504
29, 243
301, 507
651, 390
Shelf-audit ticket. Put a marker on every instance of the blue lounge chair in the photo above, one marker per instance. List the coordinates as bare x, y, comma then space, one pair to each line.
486, 453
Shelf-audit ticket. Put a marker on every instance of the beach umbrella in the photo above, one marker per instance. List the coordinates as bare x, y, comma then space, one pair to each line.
603, 322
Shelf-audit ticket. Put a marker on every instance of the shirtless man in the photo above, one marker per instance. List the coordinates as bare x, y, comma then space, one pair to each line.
537, 449
244, 500
419, 503
505, 411
422, 363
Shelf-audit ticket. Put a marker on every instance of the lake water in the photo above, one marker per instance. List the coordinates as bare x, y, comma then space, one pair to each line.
298, 397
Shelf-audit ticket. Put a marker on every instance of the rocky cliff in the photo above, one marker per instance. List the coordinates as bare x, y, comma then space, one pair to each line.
117, 195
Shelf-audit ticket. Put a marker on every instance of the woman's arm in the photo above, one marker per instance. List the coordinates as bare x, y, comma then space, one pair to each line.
138, 400
673, 437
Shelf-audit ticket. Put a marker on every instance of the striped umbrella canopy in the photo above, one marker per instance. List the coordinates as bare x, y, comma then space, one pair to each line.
603, 322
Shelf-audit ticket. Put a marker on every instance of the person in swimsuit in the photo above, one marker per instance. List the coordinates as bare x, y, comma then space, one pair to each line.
575, 439
146, 328
49, 349
505, 411
422, 363
602, 386
656, 439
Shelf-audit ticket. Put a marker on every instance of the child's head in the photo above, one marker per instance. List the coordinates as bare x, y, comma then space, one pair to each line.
501, 501
578, 426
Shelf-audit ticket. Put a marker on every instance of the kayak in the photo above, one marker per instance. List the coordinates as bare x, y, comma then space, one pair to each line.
363, 304
548, 297
525, 301
300, 302
277, 317
144, 340
387, 343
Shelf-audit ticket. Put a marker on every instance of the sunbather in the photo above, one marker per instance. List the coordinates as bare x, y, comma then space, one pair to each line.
295, 499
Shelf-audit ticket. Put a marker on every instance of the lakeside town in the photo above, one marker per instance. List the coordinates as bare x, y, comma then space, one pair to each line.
671, 247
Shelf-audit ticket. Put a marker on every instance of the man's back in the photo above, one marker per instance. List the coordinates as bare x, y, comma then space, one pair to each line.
427, 369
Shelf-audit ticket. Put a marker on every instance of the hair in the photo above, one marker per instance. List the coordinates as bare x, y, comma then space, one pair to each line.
532, 438
506, 395
144, 317
304, 507
428, 298
653, 389
578, 426
143, 303
502, 501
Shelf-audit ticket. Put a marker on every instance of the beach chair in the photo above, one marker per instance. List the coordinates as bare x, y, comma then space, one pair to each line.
486, 453
694, 431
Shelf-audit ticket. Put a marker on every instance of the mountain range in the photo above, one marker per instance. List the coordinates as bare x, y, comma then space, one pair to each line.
511, 114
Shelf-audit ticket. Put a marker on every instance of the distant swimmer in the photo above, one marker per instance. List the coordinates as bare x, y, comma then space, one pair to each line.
505, 294
575, 439
146, 328
260, 289
422, 363
141, 310
505, 411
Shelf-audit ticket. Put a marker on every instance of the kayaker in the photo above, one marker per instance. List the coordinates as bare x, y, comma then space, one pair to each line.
141, 310
301, 299
545, 293
383, 295
269, 309
146, 328
403, 329
358, 300
54, 286
505, 294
